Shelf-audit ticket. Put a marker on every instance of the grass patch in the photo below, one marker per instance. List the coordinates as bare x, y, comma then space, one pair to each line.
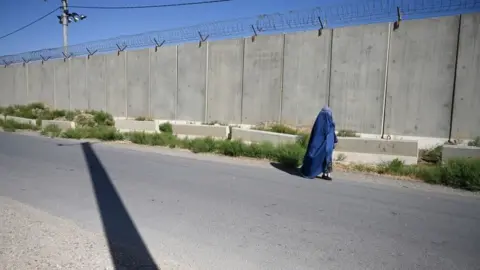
142, 118
461, 173
279, 128
40, 111
12, 125
104, 133
30, 111
303, 139
341, 157
475, 142
203, 145
289, 155
51, 131
212, 123
166, 127
457, 173
155, 139
347, 133
432, 155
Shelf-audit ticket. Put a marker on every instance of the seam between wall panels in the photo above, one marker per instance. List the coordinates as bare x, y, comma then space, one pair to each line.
385, 83
329, 68
454, 90
86, 84
175, 110
27, 87
206, 83
149, 84
125, 82
69, 67
54, 87
241, 81
281, 79
105, 92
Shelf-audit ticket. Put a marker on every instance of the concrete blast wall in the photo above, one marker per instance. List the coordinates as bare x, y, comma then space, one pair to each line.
422, 79
305, 76
466, 109
225, 81
262, 79
358, 77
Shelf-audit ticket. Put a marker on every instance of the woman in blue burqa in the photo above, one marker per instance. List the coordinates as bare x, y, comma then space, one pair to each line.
318, 158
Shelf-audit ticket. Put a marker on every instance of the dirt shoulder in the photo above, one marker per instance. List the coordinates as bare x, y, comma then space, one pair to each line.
33, 239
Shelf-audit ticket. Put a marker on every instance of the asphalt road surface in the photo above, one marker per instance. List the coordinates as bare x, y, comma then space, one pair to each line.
202, 213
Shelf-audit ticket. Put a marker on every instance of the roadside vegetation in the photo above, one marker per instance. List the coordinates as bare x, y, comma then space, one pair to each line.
475, 142
457, 173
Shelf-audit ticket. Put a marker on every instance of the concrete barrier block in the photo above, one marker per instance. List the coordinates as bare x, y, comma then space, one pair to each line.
251, 135
460, 151
63, 125
378, 146
126, 125
22, 120
362, 158
213, 131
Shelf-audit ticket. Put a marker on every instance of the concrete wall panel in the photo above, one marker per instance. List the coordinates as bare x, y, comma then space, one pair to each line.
138, 83
7, 87
466, 114
96, 83
35, 78
116, 84
78, 83
305, 76
224, 90
20, 85
421, 77
358, 77
262, 79
191, 82
41, 82
62, 84
163, 80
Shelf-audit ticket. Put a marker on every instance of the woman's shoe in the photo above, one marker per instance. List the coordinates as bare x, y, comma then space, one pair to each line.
327, 177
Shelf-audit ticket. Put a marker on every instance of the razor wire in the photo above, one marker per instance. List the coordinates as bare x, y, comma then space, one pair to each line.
316, 18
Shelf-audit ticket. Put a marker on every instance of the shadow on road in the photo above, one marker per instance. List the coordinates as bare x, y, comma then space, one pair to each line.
127, 249
289, 170
75, 143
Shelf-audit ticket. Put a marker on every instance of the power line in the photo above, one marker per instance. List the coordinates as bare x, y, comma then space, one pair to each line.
113, 7
154, 6
30, 24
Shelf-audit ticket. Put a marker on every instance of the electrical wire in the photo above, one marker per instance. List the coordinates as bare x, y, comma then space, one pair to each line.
153, 6
30, 24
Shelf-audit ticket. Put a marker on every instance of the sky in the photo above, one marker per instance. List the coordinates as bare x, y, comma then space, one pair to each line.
102, 24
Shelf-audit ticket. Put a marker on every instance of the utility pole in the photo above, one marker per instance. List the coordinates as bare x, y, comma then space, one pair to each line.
65, 25
66, 18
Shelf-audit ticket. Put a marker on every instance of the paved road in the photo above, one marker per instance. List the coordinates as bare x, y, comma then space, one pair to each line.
213, 215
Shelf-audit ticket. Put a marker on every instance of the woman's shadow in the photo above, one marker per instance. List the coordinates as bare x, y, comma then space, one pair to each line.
287, 169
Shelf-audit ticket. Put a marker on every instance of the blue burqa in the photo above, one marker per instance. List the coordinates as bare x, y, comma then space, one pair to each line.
320, 146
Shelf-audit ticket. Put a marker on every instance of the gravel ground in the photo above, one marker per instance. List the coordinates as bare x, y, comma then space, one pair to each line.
33, 239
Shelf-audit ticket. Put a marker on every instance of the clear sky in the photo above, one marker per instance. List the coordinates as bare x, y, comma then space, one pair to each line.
102, 24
